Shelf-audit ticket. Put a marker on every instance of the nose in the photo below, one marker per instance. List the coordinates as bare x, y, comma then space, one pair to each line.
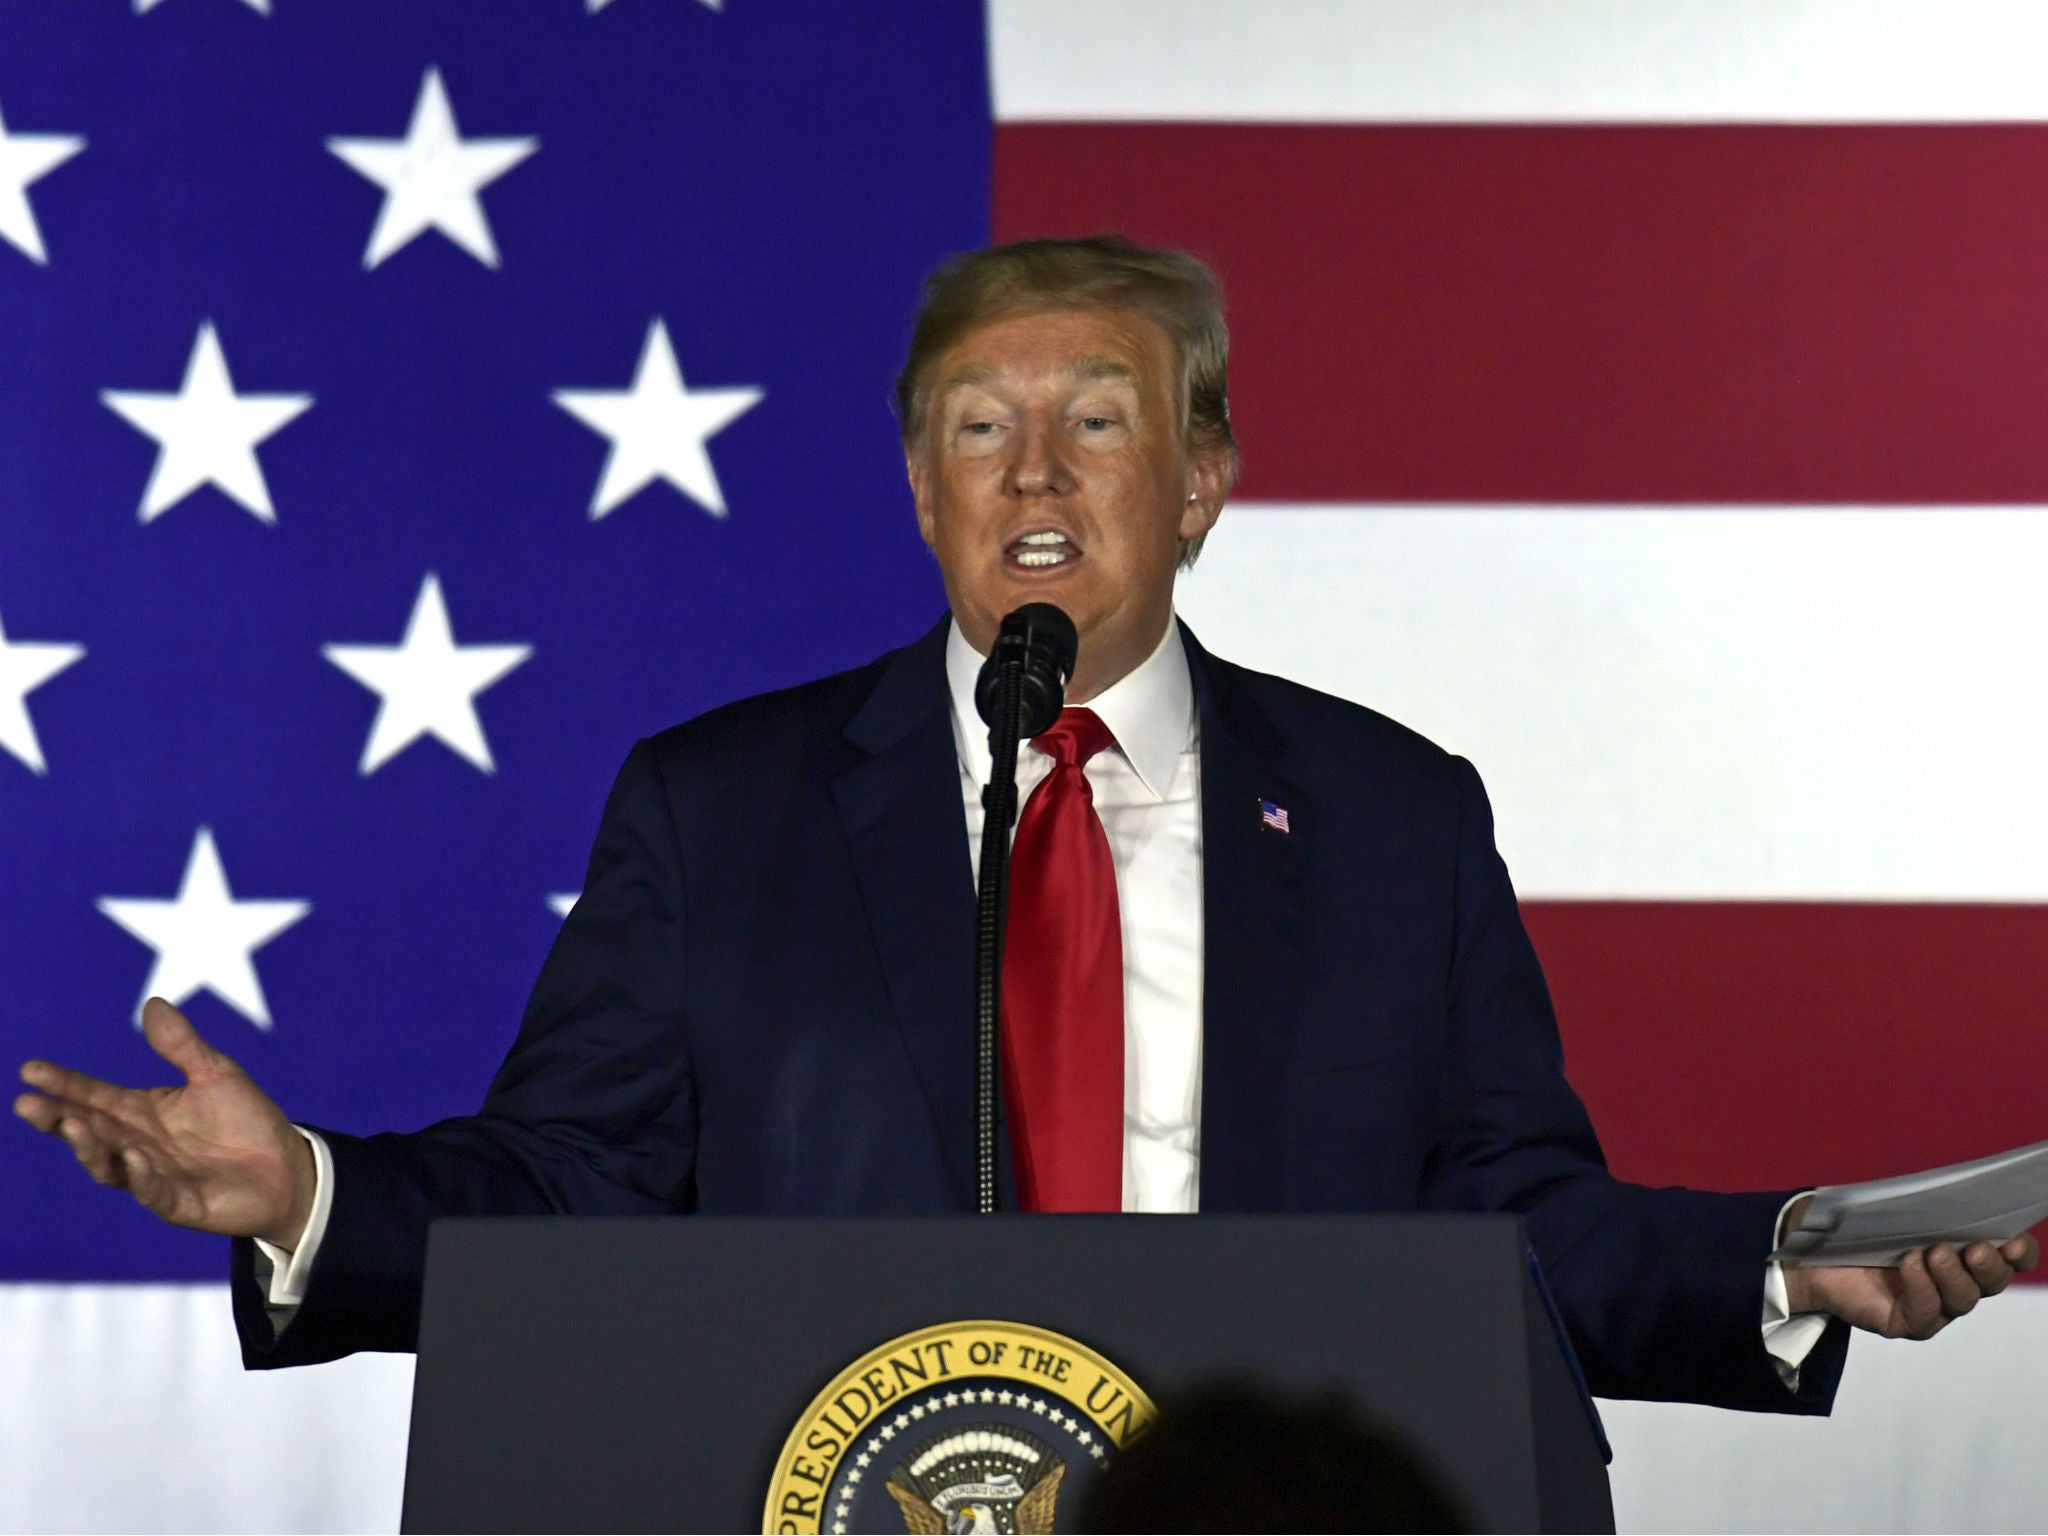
1038, 465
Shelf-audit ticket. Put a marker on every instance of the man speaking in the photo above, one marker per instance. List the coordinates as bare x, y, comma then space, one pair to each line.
1262, 955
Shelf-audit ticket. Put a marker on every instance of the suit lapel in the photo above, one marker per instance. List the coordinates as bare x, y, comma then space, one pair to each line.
901, 807
1254, 941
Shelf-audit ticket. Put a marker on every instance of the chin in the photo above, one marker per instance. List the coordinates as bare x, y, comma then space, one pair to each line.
1075, 590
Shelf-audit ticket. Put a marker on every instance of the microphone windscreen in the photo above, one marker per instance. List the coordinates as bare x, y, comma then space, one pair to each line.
1046, 625
1044, 641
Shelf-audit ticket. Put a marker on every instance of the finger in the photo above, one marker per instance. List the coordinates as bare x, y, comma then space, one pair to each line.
100, 1141
75, 1088
50, 1116
1988, 1268
93, 1153
39, 1112
1952, 1278
1919, 1298
171, 1035
2023, 1252
144, 1182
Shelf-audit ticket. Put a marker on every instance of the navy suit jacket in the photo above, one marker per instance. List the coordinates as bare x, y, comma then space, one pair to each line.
762, 1003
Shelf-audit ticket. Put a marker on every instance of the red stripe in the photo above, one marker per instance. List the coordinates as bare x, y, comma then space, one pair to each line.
1764, 1045
1725, 313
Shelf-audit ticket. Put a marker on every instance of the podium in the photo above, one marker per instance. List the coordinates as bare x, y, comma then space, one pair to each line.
602, 1374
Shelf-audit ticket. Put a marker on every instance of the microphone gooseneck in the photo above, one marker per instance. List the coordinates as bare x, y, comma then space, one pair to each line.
1020, 692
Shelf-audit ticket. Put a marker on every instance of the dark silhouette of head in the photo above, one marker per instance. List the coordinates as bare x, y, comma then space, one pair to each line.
1235, 1457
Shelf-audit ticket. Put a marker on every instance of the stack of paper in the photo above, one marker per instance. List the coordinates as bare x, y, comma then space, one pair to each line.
1877, 1224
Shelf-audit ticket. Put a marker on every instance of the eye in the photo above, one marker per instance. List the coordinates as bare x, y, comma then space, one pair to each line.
1097, 423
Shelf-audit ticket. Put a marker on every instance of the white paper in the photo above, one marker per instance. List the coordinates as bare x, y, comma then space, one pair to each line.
1875, 1225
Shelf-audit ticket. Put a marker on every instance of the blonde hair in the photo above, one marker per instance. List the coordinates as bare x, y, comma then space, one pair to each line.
1099, 272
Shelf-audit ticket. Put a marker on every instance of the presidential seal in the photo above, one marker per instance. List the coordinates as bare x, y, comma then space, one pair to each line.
974, 1426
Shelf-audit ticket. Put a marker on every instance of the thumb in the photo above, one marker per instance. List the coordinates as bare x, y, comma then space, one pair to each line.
171, 1035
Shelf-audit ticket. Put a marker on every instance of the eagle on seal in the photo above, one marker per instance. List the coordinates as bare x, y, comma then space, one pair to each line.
990, 1478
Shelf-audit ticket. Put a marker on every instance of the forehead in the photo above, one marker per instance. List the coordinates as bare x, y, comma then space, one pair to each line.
1052, 344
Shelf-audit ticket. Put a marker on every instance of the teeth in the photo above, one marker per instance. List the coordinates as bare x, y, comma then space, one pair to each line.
1047, 546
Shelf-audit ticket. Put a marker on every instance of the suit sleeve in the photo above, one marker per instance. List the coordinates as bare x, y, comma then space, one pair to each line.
592, 1113
1661, 1290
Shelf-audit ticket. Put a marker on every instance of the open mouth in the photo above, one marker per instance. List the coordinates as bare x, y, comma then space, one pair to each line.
1042, 550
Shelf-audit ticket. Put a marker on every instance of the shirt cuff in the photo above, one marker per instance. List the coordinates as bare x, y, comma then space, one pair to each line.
1787, 1339
290, 1269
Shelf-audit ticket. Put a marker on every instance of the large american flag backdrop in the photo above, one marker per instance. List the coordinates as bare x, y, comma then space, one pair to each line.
403, 407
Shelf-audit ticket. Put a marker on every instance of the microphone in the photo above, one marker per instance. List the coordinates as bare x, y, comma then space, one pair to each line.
1043, 639
1020, 692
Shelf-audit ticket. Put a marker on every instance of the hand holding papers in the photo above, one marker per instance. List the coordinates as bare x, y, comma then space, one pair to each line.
1905, 1257
1876, 1224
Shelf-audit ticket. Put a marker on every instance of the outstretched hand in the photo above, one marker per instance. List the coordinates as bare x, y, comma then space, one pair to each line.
216, 1155
1930, 1288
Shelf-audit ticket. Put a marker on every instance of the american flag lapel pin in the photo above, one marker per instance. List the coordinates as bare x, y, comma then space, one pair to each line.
1273, 815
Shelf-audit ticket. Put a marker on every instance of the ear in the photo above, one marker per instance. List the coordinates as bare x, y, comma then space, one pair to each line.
1210, 474
920, 474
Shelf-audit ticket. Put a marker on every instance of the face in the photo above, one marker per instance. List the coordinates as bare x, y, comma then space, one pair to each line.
1052, 469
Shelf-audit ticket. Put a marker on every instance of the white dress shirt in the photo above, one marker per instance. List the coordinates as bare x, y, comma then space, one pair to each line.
1148, 792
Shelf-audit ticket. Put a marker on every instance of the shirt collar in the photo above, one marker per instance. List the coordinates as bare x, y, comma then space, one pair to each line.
1150, 710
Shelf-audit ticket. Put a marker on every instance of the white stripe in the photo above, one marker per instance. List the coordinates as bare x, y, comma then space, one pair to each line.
126, 1408
122, 1408
1519, 60
1941, 1436
1803, 703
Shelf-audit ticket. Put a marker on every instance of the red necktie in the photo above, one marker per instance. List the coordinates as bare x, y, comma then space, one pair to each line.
1063, 988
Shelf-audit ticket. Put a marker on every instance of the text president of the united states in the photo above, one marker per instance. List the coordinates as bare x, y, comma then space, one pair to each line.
1263, 955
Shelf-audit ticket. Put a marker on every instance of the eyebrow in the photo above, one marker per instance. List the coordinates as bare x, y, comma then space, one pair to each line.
963, 378
1102, 368
1087, 368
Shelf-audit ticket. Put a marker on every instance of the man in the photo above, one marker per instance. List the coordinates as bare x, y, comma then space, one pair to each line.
1304, 984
